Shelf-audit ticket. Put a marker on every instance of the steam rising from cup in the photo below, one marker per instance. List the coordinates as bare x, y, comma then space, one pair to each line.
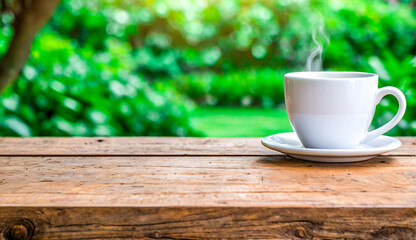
314, 62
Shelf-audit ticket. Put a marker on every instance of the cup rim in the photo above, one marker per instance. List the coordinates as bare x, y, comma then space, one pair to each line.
330, 75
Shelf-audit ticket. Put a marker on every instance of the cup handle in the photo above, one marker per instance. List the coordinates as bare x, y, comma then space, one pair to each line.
402, 108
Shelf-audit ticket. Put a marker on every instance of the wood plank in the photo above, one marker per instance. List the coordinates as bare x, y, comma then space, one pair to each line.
156, 146
206, 181
68, 188
206, 223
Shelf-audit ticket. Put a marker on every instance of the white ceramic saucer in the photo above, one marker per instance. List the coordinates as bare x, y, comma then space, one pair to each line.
289, 143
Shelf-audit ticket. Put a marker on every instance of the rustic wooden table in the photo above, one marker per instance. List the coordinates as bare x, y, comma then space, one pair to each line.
184, 188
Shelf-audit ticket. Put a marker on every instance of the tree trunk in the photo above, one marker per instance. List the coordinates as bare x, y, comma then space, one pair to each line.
26, 25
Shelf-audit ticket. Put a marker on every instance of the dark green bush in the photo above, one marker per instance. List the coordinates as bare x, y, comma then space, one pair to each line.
219, 52
254, 87
400, 73
72, 91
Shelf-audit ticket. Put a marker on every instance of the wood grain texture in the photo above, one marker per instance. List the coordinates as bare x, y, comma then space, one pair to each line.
155, 146
189, 188
195, 181
208, 223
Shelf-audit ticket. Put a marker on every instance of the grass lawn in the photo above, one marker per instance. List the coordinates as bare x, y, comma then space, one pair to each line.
239, 122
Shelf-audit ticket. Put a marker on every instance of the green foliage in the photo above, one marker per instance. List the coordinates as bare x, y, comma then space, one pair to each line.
254, 87
380, 38
112, 67
68, 91
400, 73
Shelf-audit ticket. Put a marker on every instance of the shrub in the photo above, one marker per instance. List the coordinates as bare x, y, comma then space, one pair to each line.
226, 52
69, 91
254, 87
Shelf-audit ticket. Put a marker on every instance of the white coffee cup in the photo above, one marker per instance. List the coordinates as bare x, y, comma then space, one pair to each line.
334, 110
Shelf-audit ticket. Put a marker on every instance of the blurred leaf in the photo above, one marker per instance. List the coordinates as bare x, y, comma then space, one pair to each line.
134, 67
16, 125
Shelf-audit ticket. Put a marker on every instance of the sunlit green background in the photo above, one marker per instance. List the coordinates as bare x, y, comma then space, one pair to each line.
198, 68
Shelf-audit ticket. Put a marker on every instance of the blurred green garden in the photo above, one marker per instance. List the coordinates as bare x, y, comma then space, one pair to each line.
198, 67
